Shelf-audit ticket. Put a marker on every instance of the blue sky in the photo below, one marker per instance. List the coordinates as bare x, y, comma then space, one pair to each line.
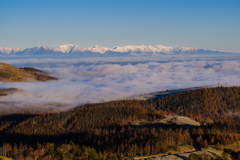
209, 24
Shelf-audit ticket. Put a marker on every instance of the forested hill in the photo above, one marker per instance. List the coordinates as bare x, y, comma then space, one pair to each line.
108, 127
215, 103
202, 104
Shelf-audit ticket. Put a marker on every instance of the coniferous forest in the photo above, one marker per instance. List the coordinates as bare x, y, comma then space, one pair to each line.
108, 130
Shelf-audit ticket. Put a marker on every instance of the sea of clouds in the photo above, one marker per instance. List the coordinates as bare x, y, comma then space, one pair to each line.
89, 80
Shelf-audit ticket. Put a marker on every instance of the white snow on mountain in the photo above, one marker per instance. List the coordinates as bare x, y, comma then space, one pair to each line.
150, 49
64, 48
8, 50
100, 50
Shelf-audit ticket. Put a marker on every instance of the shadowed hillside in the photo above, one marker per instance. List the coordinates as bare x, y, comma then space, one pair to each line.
111, 129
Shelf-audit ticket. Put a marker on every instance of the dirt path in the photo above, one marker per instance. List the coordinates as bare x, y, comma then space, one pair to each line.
164, 155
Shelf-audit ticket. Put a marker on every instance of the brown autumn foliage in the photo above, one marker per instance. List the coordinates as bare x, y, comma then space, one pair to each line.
213, 103
107, 127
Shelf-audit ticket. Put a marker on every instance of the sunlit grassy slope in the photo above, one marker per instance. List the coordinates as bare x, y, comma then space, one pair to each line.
10, 73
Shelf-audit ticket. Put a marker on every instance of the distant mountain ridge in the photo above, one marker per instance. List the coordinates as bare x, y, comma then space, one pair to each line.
72, 49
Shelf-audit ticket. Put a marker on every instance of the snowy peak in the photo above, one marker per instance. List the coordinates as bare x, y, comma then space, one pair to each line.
100, 50
40, 48
150, 49
8, 50
64, 48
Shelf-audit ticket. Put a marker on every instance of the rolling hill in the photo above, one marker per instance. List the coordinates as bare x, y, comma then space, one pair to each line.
10, 73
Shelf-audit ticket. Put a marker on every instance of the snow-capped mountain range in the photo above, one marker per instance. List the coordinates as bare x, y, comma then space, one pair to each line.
72, 49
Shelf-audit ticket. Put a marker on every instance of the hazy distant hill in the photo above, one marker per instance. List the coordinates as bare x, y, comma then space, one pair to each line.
72, 49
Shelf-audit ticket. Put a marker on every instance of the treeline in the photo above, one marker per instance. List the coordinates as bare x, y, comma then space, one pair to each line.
107, 127
50, 151
125, 141
88, 118
214, 103
219, 133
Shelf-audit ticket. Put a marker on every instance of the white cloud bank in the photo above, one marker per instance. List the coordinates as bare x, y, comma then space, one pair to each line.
93, 80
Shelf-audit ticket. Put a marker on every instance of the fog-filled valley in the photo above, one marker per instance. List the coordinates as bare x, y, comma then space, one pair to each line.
90, 80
